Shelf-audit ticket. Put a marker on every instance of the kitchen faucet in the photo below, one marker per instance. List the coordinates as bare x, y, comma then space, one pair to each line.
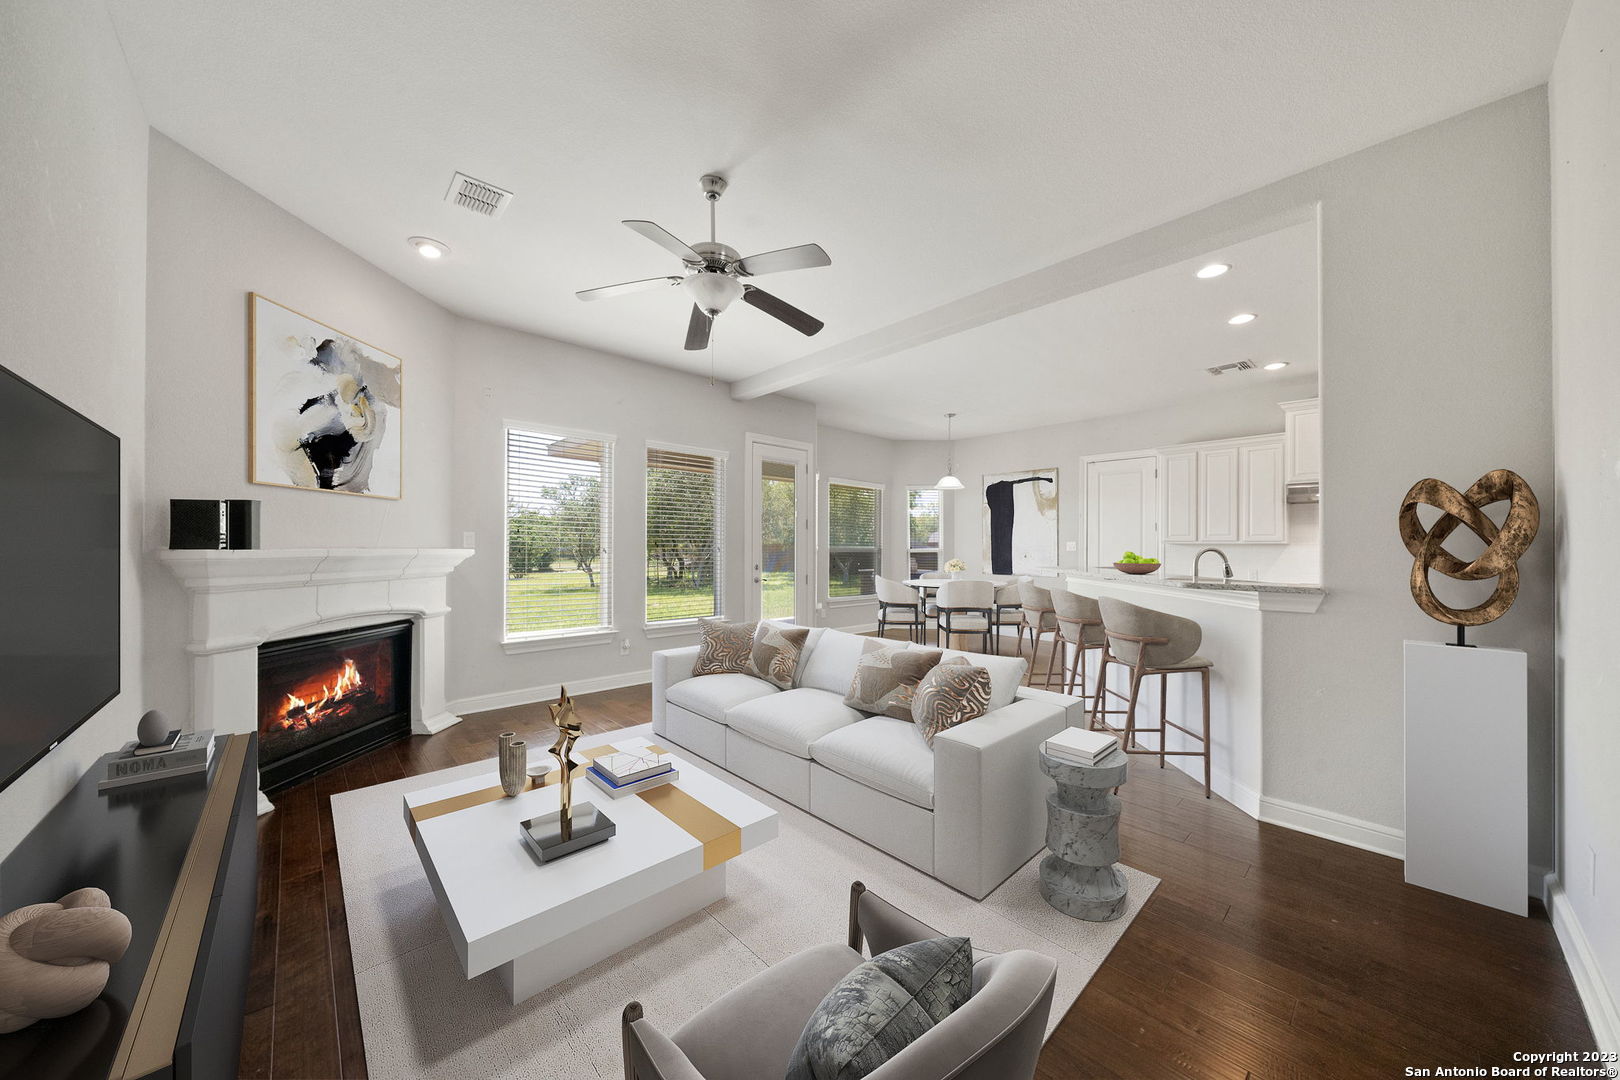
1224, 563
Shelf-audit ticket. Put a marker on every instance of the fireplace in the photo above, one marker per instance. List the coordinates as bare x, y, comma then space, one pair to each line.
326, 697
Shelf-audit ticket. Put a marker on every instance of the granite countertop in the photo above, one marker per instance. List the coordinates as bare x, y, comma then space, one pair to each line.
1183, 582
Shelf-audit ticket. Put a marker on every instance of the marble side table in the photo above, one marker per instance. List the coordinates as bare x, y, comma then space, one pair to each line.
1080, 877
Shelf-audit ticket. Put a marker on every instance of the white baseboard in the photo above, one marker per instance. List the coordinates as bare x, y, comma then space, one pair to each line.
1596, 997
1540, 884
1367, 835
530, 694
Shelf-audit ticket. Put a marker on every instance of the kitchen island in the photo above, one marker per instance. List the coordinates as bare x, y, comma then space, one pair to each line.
1235, 616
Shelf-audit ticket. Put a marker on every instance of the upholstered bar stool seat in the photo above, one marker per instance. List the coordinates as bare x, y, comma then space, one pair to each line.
1079, 628
1152, 643
1039, 618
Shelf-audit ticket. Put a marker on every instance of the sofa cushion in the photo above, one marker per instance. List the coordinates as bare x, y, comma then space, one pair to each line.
776, 652
712, 695
791, 720
883, 753
727, 648
885, 678
1006, 675
951, 694
882, 1007
832, 662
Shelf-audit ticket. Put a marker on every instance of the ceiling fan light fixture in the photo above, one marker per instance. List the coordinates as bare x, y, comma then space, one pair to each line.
713, 291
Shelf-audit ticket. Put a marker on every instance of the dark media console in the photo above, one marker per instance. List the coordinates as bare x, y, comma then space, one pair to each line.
179, 858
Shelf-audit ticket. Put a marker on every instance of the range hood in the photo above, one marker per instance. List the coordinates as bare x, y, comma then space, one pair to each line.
1304, 493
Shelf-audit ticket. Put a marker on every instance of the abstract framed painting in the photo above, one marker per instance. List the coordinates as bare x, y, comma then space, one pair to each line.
1020, 521
325, 409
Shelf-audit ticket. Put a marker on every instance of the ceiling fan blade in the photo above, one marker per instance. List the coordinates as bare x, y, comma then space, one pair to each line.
624, 288
781, 309
794, 258
697, 330
666, 240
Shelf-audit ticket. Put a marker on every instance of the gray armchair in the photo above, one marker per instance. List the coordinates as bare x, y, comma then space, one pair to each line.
749, 1033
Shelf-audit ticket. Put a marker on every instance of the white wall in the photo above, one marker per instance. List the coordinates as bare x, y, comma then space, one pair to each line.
1585, 94
212, 241
1250, 410
72, 296
506, 375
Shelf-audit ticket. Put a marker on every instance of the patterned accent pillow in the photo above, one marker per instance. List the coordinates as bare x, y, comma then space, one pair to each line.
882, 1007
887, 677
727, 649
953, 693
776, 653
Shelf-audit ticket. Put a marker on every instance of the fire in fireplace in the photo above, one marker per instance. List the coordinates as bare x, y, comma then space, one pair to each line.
327, 697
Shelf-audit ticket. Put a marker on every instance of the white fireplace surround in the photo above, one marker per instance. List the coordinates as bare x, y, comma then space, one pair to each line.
242, 599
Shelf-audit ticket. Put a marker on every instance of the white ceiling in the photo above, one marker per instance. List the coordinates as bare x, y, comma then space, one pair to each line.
933, 147
1123, 348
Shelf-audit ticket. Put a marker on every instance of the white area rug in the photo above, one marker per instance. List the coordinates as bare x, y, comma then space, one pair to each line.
422, 1018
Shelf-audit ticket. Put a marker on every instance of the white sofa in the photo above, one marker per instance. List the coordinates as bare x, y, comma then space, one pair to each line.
969, 810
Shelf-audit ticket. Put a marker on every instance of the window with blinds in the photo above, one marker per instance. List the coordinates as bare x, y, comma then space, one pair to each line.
686, 500
559, 533
924, 527
854, 525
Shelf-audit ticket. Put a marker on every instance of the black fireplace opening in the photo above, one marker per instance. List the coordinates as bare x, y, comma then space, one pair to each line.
327, 697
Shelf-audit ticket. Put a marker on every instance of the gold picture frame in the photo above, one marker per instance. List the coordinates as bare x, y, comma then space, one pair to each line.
325, 409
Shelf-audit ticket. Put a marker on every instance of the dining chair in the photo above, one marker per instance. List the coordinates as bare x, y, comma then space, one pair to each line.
1009, 609
965, 607
899, 605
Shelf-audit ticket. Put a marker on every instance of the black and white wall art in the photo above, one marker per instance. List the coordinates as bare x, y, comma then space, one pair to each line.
1020, 521
325, 407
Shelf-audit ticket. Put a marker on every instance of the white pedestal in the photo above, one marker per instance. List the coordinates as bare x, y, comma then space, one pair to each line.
1467, 797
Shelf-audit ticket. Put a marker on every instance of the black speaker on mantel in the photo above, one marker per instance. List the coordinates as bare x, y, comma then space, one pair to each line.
214, 524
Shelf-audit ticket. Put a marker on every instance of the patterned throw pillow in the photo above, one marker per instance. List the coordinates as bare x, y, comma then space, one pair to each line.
953, 693
776, 653
727, 649
882, 1007
887, 677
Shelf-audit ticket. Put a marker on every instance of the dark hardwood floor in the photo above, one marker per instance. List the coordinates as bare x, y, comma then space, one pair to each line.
1264, 952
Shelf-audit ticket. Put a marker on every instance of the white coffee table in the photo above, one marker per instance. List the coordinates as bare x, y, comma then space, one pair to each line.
540, 923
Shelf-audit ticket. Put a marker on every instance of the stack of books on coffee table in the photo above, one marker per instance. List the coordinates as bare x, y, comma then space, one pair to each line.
1078, 746
627, 772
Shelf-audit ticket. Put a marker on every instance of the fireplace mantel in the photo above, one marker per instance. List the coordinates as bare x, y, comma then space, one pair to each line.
242, 599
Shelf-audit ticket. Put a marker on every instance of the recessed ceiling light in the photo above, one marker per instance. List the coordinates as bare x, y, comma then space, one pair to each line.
1276, 365
1214, 270
1242, 317
429, 248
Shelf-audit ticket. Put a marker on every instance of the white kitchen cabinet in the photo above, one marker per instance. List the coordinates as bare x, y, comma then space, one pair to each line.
1178, 479
1218, 489
1262, 502
1302, 441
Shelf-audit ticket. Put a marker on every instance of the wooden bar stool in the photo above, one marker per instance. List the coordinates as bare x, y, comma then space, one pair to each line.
965, 607
899, 605
1039, 618
1153, 643
1079, 628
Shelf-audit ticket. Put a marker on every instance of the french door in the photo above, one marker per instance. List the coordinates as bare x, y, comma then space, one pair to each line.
782, 501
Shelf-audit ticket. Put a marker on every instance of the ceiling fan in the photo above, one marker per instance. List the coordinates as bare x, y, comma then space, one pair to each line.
714, 274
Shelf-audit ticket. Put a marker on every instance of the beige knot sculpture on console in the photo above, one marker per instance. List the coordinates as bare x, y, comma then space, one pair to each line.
1503, 545
55, 958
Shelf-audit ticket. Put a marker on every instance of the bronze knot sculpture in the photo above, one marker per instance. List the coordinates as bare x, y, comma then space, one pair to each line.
1504, 544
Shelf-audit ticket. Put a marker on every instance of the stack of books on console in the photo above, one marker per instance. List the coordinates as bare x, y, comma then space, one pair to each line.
626, 773
1078, 746
177, 755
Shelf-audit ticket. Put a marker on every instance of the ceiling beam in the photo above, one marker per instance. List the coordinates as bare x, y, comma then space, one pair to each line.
1158, 247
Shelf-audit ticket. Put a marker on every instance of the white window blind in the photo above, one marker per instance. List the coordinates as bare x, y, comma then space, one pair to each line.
924, 526
686, 501
854, 517
559, 534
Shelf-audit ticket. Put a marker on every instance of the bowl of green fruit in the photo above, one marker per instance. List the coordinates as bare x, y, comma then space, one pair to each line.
1132, 563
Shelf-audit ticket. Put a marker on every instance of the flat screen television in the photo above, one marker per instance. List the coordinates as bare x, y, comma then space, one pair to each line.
59, 572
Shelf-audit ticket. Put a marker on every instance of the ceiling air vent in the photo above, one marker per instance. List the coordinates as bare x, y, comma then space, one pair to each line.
477, 196
1241, 365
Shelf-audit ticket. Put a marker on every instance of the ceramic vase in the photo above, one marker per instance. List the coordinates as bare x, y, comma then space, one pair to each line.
514, 767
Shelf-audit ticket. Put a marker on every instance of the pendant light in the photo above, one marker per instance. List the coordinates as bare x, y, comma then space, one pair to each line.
949, 482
